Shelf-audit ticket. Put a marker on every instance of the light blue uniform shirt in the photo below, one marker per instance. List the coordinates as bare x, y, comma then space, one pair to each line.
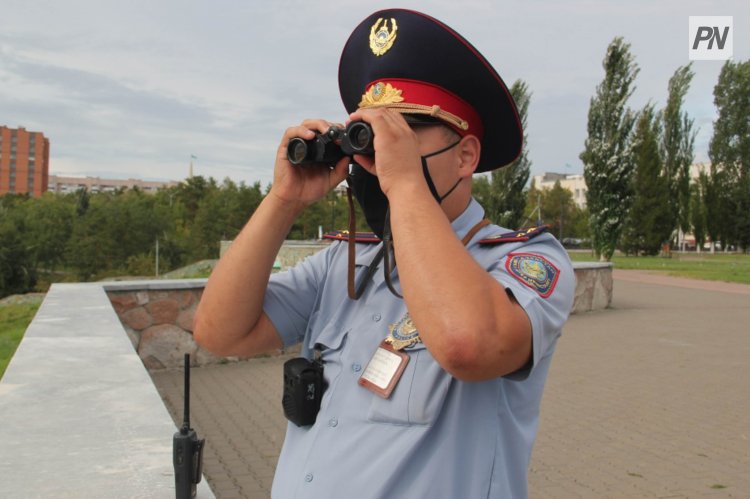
435, 436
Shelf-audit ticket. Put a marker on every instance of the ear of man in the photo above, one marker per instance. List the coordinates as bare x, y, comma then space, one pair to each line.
469, 151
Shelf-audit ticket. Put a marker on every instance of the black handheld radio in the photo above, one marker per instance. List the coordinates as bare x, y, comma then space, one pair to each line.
187, 449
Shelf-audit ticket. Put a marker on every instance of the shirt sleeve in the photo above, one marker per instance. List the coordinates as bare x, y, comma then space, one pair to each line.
291, 296
541, 278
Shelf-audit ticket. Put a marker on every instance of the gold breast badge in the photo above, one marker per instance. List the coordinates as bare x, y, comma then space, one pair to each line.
381, 38
403, 334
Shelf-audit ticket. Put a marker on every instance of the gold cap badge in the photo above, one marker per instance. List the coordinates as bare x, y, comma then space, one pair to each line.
381, 94
381, 39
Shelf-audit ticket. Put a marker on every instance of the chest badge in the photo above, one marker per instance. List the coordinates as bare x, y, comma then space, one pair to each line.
403, 333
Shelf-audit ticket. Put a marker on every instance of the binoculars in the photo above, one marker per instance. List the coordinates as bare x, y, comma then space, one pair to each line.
331, 146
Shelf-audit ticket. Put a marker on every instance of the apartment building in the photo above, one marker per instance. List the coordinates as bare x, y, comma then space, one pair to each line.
24, 161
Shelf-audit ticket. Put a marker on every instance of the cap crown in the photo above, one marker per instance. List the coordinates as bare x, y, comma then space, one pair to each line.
411, 62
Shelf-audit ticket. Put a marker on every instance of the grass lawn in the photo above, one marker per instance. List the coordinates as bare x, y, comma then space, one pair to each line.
14, 319
717, 267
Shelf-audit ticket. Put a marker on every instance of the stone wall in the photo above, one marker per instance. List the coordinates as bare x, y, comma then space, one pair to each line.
594, 286
159, 324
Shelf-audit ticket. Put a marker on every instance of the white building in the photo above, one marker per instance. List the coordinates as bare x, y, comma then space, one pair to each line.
575, 183
63, 185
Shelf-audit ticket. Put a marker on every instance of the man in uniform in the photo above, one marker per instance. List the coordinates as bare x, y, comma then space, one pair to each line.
436, 393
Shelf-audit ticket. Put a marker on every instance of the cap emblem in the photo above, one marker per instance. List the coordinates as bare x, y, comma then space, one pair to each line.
381, 38
380, 94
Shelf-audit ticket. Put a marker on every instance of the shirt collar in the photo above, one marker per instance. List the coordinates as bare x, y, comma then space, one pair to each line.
468, 219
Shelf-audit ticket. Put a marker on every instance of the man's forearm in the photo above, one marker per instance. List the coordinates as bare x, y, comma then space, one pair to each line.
232, 302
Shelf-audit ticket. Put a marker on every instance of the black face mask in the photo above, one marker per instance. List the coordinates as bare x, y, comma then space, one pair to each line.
366, 190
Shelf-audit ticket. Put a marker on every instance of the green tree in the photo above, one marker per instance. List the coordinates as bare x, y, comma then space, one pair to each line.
49, 224
698, 211
191, 192
17, 273
718, 206
222, 211
677, 146
503, 195
209, 225
90, 249
82, 201
558, 210
555, 207
649, 221
243, 201
607, 156
729, 150
115, 227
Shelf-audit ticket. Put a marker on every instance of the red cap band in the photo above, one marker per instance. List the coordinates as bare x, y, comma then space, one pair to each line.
419, 93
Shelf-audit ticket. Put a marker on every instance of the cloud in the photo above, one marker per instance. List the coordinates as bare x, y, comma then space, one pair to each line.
137, 87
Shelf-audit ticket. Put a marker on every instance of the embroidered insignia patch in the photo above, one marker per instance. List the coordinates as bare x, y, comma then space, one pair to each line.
535, 271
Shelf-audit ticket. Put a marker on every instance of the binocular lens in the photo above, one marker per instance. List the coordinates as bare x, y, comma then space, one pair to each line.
329, 147
297, 151
360, 136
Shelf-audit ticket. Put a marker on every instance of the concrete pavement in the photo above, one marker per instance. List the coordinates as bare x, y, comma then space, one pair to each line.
650, 398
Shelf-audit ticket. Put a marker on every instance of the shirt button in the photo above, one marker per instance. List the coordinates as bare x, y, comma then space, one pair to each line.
376, 317
356, 368
308, 477
333, 422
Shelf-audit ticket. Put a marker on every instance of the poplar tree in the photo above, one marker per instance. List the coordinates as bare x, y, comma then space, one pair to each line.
698, 210
649, 221
729, 151
677, 147
505, 198
607, 157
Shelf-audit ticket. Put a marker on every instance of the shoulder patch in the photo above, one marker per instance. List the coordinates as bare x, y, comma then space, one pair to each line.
515, 236
360, 237
534, 271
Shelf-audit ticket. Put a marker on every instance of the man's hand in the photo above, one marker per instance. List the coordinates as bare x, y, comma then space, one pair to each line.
397, 161
299, 186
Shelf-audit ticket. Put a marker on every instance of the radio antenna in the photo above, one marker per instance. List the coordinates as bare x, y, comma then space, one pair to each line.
186, 415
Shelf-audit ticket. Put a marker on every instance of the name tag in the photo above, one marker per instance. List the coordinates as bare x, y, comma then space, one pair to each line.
384, 370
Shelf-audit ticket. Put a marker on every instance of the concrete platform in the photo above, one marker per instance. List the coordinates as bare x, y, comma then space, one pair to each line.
79, 415
650, 398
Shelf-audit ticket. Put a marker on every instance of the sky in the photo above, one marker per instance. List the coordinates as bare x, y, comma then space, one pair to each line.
140, 89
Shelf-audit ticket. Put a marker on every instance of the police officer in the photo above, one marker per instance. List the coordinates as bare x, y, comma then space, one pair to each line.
436, 393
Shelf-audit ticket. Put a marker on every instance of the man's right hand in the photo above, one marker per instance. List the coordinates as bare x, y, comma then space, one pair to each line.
299, 186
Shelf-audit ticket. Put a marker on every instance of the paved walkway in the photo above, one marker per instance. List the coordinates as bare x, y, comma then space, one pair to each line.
650, 398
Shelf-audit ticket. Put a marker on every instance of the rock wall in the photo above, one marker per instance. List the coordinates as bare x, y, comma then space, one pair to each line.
159, 323
593, 286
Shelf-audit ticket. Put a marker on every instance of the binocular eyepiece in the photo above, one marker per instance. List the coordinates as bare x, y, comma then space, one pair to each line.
357, 138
